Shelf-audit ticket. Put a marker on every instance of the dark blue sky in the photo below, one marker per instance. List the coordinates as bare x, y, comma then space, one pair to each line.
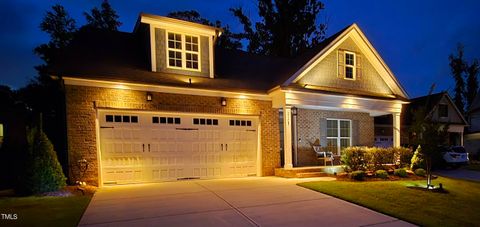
413, 37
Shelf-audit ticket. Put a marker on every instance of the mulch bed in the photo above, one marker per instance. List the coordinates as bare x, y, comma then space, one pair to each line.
371, 177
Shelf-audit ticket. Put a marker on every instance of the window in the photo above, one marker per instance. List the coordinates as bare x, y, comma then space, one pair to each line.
338, 135
442, 110
166, 120
199, 121
183, 51
349, 66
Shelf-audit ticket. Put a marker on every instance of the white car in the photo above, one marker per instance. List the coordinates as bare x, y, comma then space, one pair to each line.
456, 155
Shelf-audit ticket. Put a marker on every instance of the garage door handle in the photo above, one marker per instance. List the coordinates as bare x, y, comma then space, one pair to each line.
148, 147
143, 147
226, 147
186, 128
222, 146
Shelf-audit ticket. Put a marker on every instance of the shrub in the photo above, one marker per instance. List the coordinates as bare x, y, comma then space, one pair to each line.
43, 172
420, 172
417, 159
381, 174
354, 158
358, 175
403, 155
400, 173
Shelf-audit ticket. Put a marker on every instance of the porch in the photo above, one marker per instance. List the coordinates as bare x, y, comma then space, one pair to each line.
329, 122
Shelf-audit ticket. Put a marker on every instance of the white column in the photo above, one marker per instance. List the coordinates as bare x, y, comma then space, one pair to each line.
461, 138
396, 129
287, 137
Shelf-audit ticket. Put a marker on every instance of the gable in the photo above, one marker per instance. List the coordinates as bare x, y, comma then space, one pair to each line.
454, 117
325, 74
379, 76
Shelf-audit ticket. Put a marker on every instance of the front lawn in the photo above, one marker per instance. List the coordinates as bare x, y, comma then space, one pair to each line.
44, 211
459, 207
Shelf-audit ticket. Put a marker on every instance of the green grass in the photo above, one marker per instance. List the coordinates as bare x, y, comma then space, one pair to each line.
474, 167
44, 211
459, 207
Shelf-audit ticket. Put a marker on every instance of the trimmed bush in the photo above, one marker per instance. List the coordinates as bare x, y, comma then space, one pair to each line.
381, 174
420, 172
417, 159
378, 157
358, 175
403, 155
354, 158
42, 172
400, 173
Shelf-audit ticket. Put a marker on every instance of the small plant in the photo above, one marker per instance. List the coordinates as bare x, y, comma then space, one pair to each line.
381, 174
420, 172
403, 155
358, 175
400, 173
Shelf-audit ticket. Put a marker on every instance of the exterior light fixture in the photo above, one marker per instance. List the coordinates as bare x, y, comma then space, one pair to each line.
224, 101
149, 96
190, 80
294, 111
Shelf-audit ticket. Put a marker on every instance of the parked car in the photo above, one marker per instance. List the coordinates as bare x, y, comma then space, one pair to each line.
455, 155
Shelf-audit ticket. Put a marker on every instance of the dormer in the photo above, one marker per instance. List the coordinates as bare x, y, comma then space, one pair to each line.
178, 46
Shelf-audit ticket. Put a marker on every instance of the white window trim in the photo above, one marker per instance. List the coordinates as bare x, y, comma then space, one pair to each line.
184, 52
338, 138
354, 67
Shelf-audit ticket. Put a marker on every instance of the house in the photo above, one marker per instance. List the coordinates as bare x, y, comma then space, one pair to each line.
165, 103
472, 138
439, 107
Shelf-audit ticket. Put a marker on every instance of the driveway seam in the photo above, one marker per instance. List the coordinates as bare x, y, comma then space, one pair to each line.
231, 205
380, 223
279, 203
151, 217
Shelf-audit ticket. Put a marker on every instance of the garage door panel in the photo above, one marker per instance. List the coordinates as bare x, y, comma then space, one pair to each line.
156, 150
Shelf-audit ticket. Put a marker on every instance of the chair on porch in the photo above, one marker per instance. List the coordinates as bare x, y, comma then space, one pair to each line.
325, 156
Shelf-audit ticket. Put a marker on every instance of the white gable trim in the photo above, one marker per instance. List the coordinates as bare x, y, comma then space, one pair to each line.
366, 48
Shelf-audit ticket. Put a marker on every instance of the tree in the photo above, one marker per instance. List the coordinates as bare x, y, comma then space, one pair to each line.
44, 173
286, 28
429, 135
472, 83
227, 40
458, 66
105, 18
61, 28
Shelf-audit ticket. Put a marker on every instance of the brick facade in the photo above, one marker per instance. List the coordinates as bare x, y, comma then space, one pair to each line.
311, 125
82, 103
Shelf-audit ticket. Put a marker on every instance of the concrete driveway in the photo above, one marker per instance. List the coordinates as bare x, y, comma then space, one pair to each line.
256, 201
460, 174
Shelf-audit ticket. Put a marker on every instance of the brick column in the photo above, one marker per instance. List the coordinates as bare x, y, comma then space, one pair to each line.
287, 136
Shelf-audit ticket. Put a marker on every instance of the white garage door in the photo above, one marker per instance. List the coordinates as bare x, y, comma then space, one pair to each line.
148, 147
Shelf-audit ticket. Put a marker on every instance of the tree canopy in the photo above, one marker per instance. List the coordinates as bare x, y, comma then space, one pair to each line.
105, 18
227, 40
286, 27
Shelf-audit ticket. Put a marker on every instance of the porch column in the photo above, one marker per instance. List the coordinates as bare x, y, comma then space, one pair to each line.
396, 129
287, 136
461, 139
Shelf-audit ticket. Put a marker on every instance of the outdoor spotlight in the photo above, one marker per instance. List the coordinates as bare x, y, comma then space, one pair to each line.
224, 101
149, 96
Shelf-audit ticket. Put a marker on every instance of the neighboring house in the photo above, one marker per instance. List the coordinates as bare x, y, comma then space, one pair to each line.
472, 138
439, 107
164, 103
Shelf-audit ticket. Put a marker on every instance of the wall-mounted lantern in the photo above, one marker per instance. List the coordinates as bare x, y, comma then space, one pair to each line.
294, 111
149, 96
223, 101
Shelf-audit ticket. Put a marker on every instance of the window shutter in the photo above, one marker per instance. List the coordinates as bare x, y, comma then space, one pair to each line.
341, 64
355, 133
323, 132
359, 66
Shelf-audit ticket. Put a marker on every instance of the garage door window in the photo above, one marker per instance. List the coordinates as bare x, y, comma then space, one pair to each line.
206, 121
240, 123
121, 118
166, 120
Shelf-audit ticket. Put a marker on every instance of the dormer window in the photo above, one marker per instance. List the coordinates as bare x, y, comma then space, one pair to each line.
183, 51
349, 65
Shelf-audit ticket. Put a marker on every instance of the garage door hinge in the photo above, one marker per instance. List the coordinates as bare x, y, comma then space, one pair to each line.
186, 128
